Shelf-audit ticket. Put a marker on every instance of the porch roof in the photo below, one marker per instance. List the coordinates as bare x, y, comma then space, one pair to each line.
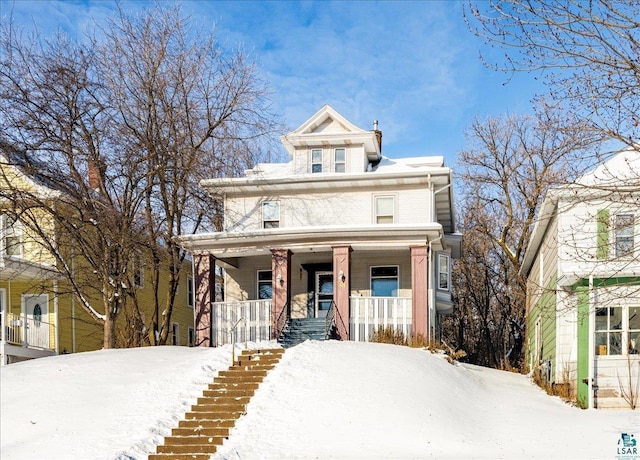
18, 269
314, 239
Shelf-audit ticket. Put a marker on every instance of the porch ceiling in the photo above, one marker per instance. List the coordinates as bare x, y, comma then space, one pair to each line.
314, 239
16, 269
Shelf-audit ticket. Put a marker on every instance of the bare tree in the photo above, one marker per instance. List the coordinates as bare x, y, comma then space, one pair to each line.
123, 129
509, 165
191, 111
588, 52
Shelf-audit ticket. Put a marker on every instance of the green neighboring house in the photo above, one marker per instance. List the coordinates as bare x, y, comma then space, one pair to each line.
583, 286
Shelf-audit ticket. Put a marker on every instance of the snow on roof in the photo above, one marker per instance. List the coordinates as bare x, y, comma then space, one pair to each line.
622, 169
389, 165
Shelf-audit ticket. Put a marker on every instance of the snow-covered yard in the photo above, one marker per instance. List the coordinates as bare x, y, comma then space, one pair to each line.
338, 400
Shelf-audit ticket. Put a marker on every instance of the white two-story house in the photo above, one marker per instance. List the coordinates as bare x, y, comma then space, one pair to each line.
583, 286
338, 232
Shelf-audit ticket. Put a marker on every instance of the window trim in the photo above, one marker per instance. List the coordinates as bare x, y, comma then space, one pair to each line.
272, 221
377, 216
396, 277
342, 162
618, 228
190, 292
175, 334
260, 282
314, 163
15, 230
439, 256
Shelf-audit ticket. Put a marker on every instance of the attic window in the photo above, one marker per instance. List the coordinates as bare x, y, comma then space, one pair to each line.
316, 161
339, 160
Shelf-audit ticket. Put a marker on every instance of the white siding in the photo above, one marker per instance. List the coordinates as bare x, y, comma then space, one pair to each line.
347, 208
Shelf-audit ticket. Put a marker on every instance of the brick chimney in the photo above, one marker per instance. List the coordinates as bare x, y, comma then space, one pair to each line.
96, 170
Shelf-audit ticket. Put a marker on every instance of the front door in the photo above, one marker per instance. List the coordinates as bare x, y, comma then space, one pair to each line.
324, 293
36, 308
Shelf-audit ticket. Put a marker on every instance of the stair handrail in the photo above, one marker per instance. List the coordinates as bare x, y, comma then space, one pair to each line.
344, 327
330, 319
234, 334
282, 320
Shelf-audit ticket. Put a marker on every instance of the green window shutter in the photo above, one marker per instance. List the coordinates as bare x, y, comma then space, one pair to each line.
602, 243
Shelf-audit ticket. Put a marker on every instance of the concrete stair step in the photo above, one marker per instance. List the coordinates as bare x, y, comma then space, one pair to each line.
179, 456
234, 385
193, 440
223, 400
222, 393
188, 449
208, 422
201, 431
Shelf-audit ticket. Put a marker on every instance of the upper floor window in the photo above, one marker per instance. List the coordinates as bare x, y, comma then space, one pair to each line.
11, 236
444, 272
190, 291
270, 214
339, 160
624, 226
175, 334
384, 281
138, 270
316, 160
384, 209
265, 284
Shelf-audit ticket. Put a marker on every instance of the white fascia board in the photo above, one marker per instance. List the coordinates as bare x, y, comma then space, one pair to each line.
303, 239
256, 185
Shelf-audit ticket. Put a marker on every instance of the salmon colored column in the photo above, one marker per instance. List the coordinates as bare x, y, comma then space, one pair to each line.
281, 280
204, 276
341, 288
419, 302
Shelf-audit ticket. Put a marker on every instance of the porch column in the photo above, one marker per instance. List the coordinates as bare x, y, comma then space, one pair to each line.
281, 273
419, 290
204, 274
342, 288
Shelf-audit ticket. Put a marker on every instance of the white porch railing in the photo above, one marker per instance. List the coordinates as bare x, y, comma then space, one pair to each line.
26, 332
368, 314
255, 324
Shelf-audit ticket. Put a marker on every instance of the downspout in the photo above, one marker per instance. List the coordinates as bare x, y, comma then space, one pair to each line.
432, 291
56, 315
590, 344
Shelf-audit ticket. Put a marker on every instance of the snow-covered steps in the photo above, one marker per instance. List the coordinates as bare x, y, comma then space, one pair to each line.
297, 330
207, 424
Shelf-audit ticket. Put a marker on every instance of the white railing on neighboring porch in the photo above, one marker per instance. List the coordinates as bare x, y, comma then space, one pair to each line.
368, 314
252, 319
27, 332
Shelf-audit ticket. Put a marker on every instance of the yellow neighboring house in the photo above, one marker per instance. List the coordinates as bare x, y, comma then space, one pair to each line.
38, 314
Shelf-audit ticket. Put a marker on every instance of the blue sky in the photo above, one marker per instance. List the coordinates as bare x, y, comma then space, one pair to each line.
411, 65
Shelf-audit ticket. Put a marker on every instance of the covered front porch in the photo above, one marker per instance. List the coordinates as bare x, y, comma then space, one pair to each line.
399, 278
252, 320
27, 318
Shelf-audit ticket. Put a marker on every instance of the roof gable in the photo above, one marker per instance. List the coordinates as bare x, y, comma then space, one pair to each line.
328, 127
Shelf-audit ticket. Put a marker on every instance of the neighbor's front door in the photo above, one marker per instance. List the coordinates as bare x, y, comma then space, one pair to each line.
36, 308
324, 293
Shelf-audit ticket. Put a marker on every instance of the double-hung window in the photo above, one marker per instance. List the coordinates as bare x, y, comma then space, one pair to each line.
339, 160
609, 328
384, 281
624, 226
316, 160
265, 285
444, 272
190, 291
270, 214
384, 209
11, 236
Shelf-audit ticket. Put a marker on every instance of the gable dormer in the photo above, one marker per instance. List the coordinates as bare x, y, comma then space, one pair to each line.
329, 143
